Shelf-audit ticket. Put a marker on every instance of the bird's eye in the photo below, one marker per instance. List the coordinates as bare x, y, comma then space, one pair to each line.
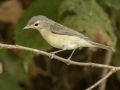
36, 24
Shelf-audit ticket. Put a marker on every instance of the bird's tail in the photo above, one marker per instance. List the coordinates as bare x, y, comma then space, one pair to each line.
102, 46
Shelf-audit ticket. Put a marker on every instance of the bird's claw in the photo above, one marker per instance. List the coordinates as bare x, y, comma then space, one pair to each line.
52, 55
68, 63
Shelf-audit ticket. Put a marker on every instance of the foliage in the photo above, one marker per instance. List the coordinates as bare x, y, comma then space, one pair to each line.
13, 72
117, 58
89, 18
86, 16
32, 38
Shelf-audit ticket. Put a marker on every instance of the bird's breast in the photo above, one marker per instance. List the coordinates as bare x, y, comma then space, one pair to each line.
61, 41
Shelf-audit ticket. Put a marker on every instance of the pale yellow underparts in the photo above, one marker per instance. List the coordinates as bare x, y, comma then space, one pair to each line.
61, 41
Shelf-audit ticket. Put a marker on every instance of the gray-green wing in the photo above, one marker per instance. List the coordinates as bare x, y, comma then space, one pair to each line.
62, 30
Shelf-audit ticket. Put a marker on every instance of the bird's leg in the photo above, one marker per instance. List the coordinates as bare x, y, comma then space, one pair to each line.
53, 53
70, 57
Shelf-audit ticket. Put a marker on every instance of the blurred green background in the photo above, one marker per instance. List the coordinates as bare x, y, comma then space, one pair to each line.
23, 70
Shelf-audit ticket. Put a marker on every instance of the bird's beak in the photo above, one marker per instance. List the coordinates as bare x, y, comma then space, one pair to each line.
26, 27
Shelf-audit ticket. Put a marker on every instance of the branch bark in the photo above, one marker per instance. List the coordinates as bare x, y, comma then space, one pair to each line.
111, 68
107, 61
18, 47
101, 80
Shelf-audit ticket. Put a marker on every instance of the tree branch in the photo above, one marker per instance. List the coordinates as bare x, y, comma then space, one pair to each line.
107, 61
101, 80
6, 46
111, 68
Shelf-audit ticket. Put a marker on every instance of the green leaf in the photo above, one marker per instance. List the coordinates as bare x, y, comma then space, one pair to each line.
88, 18
13, 72
8, 83
32, 38
14, 68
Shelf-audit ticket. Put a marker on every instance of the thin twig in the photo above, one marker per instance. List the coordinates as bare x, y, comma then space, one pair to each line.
6, 46
107, 61
112, 68
101, 80
90, 55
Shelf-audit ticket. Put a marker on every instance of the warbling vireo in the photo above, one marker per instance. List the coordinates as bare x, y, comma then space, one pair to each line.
60, 36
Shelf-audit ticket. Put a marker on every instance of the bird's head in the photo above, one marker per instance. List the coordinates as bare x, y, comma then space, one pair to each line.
38, 22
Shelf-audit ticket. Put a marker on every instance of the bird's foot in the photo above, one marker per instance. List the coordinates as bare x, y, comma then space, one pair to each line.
52, 55
68, 63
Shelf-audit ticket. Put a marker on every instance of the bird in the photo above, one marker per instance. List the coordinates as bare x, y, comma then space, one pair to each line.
60, 36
